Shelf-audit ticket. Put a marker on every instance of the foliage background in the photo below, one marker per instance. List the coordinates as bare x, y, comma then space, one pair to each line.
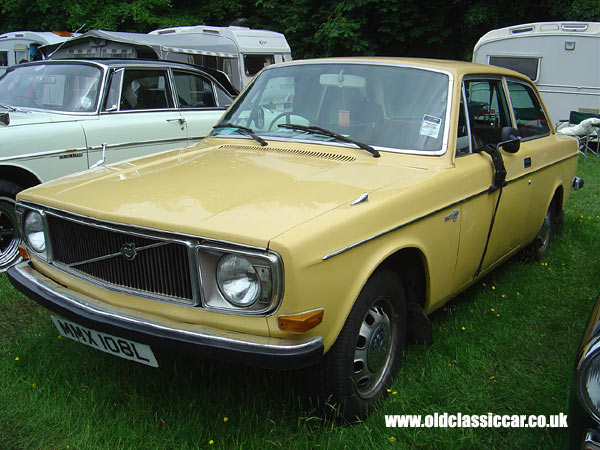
314, 28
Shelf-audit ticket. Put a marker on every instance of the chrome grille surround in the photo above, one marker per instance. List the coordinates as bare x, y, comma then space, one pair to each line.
196, 252
155, 266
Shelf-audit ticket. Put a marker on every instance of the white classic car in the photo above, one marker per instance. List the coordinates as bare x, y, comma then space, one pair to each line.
61, 117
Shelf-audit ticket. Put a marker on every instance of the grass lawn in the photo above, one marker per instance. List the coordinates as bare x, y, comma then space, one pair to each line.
506, 346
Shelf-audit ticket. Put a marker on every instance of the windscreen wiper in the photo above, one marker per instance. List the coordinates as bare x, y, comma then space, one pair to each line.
8, 107
318, 130
243, 130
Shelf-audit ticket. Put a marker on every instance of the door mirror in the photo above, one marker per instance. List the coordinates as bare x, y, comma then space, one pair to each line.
510, 140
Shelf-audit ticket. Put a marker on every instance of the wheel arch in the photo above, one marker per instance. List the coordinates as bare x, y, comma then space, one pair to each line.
18, 175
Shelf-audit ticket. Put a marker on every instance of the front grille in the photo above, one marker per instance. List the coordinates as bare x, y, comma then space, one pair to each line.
159, 267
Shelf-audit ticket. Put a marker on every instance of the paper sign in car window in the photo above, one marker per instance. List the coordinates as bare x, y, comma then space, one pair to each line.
343, 118
431, 126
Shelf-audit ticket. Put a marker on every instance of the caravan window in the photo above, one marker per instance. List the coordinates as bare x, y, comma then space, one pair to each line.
3, 58
255, 63
524, 65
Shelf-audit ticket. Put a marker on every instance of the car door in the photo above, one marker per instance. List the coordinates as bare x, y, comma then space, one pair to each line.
201, 103
539, 148
138, 117
494, 221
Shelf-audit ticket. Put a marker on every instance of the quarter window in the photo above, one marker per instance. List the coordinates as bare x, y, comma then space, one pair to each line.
529, 115
3, 58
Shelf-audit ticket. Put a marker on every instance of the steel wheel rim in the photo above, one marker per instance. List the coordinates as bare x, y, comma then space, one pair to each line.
9, 235
375, 347
544, 234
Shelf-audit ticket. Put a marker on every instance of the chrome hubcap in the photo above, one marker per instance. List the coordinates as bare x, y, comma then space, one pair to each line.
374, 348
9, 235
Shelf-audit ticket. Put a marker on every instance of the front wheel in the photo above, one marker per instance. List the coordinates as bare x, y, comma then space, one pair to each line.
9, 233
356, 372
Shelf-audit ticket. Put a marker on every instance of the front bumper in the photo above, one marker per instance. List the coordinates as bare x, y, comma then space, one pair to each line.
272, 353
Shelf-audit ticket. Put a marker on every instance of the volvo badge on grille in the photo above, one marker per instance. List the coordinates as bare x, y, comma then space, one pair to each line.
128, 251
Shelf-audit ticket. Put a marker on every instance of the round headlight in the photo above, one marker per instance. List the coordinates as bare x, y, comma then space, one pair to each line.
238, 281
589, 383
33, 226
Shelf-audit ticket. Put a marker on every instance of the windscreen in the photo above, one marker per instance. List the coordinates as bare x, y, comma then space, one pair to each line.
56, 87
385, 106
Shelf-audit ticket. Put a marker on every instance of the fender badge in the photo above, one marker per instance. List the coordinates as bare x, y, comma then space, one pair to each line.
128, 251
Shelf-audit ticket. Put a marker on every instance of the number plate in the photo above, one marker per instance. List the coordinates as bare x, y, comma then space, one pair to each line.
105, 342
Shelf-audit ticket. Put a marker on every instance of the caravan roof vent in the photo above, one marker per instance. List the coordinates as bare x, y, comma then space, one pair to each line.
521, 30
211, 31
549, 27
169, 31
575, 26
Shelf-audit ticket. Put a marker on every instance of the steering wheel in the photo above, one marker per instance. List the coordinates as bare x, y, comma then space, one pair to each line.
288, 114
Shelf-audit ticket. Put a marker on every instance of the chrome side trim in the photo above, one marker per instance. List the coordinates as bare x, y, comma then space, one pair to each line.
458, 202
119, 145
42, 154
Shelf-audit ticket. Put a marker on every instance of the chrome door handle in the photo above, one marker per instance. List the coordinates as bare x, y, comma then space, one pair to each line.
181, 120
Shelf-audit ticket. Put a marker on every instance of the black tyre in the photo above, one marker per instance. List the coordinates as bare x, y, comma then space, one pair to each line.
356, 372
539, 246
9, 233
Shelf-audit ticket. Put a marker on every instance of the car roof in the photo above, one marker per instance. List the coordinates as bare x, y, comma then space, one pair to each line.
457, 68
216, 75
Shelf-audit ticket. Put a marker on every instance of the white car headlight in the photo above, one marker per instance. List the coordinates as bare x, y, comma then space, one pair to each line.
238, 281
33, 228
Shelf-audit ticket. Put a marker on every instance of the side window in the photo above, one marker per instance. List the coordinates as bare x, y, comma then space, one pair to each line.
145, 89
3, 58
487, 111
194, 91
530, 117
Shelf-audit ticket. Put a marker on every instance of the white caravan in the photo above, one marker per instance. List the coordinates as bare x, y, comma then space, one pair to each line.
20, 46
254, 49
562, 58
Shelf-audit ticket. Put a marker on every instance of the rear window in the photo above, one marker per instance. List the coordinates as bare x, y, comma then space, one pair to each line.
526, 66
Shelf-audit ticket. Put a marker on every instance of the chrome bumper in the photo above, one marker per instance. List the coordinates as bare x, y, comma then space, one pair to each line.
204, 341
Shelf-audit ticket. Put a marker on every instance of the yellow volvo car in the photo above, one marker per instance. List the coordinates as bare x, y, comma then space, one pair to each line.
336, 203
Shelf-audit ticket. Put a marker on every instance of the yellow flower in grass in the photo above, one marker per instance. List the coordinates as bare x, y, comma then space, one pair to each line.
392, 439
493, 288
17, 358
211, 442
225, 419
463, 328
